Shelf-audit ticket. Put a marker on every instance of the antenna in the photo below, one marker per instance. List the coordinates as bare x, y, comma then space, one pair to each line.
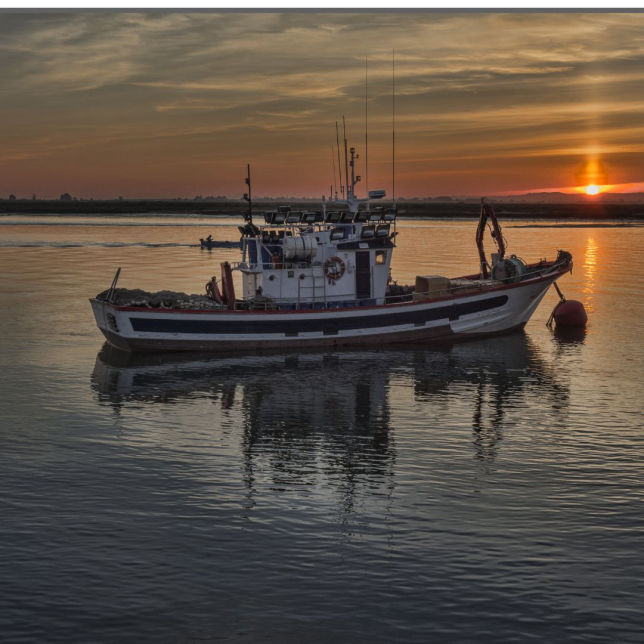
346, 162
366, 123
334, 187
337, 147
249, 198
393, 127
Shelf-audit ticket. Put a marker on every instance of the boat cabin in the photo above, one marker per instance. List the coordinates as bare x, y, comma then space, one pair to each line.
318, 259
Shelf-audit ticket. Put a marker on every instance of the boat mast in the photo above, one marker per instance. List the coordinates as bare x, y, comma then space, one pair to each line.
366, 125
346, 161
335, 187
249, 198
337, 147
354, 179
393, 128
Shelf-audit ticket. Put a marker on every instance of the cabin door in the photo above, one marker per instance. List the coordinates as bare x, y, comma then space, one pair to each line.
363, 275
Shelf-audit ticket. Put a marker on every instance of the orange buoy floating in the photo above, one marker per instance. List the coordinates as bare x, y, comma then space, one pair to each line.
568, 312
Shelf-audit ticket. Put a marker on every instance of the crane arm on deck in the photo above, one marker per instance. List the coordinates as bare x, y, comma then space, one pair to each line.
487, 212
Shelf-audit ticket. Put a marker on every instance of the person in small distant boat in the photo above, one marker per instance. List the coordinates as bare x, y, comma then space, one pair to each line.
209, 238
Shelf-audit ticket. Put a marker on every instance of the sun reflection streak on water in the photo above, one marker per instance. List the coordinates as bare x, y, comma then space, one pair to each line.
590, 270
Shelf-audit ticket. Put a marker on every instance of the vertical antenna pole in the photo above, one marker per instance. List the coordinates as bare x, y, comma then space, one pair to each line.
346, 161
250, 197
334, 188
337, 147
393, 128
366, 122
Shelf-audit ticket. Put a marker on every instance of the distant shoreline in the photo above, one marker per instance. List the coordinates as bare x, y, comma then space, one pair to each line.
412, 209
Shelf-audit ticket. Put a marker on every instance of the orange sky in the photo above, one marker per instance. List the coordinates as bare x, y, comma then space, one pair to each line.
175, 104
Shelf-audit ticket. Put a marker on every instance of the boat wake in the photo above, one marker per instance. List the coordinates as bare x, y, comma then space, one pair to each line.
84, 244
13, 220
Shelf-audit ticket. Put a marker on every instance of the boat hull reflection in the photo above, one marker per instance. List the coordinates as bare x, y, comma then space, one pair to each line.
348, 393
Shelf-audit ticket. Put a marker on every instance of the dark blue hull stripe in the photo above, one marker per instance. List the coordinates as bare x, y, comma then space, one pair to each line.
302, 322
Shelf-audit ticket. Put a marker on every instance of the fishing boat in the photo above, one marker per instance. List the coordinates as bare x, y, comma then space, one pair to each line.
322, 279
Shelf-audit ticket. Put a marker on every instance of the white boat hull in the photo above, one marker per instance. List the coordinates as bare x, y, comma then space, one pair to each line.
497, 310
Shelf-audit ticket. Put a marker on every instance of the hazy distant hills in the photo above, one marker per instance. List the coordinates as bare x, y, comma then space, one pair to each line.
562, 197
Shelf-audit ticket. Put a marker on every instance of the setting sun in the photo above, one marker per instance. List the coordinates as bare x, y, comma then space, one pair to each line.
592, 189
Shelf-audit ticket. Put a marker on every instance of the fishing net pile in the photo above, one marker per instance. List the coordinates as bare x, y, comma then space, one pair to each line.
158, 300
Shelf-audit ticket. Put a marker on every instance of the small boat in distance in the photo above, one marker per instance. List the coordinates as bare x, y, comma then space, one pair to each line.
322, 279
209, 243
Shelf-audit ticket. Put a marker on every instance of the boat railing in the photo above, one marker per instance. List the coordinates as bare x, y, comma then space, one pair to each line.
541, 268
273, 266
465, 286
262, 303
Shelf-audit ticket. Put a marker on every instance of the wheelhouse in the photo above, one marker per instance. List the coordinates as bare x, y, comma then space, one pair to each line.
318, 259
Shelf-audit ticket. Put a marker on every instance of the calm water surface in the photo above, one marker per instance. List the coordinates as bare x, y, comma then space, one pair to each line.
490, 491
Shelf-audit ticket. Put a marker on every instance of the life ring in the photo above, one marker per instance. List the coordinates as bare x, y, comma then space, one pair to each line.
334, 269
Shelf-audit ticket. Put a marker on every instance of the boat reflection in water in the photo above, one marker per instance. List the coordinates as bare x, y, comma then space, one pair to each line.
504, 375
295, 408
299, 414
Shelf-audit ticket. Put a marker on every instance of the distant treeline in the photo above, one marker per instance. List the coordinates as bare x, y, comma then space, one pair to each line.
419, 209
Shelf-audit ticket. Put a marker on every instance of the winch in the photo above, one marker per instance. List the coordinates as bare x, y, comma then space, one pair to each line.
509, 269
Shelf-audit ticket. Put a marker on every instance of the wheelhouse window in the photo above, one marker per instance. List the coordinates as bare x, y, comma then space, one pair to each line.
381, 256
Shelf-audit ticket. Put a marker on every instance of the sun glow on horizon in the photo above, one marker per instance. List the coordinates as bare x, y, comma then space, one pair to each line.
592, 189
